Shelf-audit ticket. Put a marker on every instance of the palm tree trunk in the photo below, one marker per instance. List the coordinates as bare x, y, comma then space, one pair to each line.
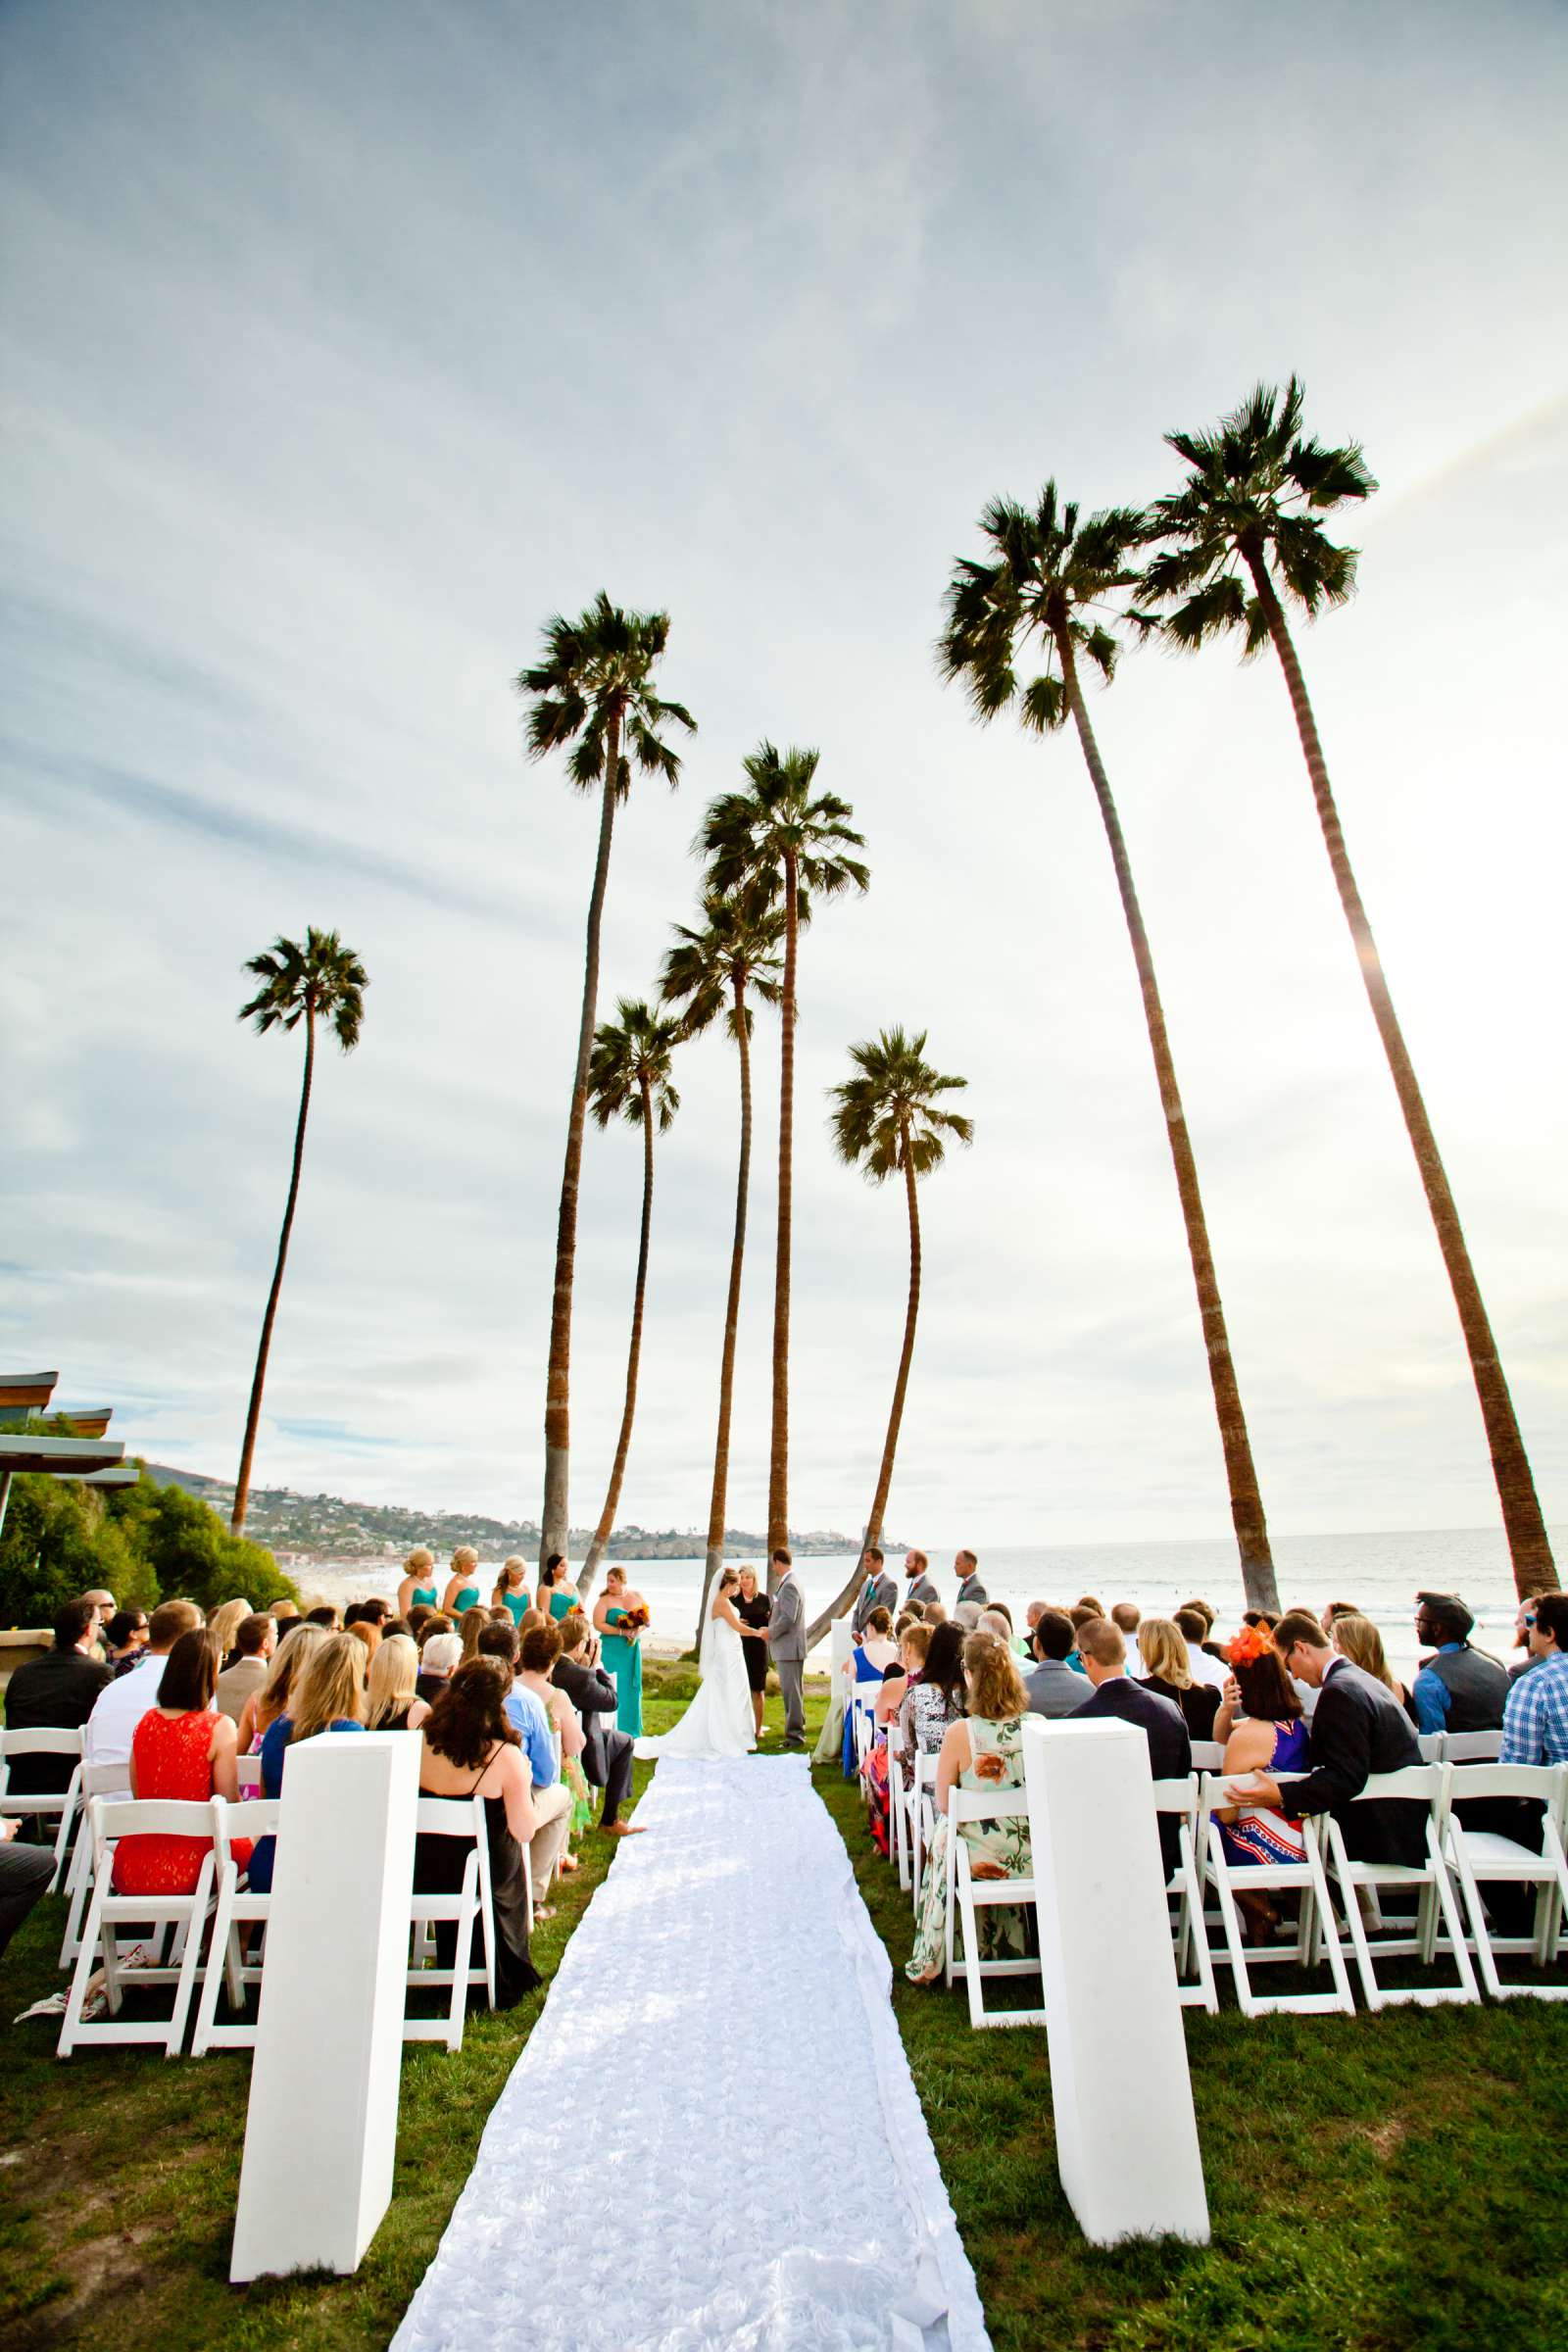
1246, 1503
778, 1464
557, 1523
1533, 1569
717, 1501
242, 1484
884, 1481
606, 1517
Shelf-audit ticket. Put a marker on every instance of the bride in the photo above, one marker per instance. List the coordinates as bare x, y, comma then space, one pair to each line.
719, 1721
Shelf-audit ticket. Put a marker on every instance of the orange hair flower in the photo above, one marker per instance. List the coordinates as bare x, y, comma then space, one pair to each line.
1253, 1643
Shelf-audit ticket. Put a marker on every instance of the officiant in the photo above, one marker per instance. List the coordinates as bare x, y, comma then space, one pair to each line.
754, 1609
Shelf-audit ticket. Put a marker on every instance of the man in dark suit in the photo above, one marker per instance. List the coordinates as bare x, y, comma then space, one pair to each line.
970, 1587
606, 1756
56, 1692
1358, 1727
1170, 1749
879, 1591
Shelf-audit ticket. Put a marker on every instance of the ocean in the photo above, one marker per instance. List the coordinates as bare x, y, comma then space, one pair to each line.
1380, 1571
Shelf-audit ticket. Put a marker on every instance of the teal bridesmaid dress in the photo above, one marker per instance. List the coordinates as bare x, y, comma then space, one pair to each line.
517, 1603
625, 1660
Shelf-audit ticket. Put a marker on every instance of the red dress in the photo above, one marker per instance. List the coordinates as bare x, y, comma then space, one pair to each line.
169, 1753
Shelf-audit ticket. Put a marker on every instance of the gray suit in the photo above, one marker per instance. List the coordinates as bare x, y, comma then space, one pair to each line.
921, 1591
973, 1590
786, 1644
879, 1593
1055, 1690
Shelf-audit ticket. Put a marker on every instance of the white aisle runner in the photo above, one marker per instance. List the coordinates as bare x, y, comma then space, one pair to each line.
712, 2139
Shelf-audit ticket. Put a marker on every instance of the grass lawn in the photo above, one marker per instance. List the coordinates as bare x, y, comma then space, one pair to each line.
1385, 2182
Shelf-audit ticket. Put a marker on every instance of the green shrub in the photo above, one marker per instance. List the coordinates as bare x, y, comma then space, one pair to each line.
143, 1543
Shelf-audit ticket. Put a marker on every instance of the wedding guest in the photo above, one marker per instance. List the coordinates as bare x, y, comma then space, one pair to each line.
753, 1609
867, 1665
1206, 1643
1357, 1728
1051, 1686
897, 1686
463, 1585
966, 1613
620, 1619
417, 1619
553, 1794
182, 1752
471, 1749
1125, 1616
1535, 1721
391, 1698
125, 1639
1458, 1689
966, 1567
418, 1590
994, 1620
25, 1872
1165, 1660
223, 1624
1265, 1617
1335, 1610
57, 1692
369, 1637
375, 1611
983, 1752
934, 1613
1080, 1615
919, 1585
1272, 1737
431, 1623
284, 1614
1358, 1639
329, 1696
1170, 1748
470, 1625
608, 1752
270, 1700
326, 1616
254, 1640
878, 1590
439, 1659
512, 1590
118, 1708
1520, 1641
1087, 1603
1205, 1669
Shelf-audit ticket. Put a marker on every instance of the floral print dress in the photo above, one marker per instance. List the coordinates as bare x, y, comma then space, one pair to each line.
996, 1764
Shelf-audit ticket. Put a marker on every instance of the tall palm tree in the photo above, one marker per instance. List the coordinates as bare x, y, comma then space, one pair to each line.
1054, 581
790, 845
1240, 536
887, 1121
628, 1077
591, 689
322, 981
708, 972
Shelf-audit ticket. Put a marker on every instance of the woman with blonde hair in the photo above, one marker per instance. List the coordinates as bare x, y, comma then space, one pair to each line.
271, 1699
1358, 1639
223, 1624
983, 1752
327, 1697
470, 1625
463, 1585
1167, 1671
512, 1590
391, 1701
417, 1590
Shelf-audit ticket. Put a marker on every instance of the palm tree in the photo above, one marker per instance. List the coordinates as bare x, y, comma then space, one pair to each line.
1240, 536
708, 972
788, 844
322, 981
888, 1121
628, 1077
592, 689
1058, 582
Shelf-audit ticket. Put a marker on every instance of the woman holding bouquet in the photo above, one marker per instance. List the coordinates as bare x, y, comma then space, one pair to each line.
620, 1617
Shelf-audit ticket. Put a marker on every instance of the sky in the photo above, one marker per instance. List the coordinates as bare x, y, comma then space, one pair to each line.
340, 347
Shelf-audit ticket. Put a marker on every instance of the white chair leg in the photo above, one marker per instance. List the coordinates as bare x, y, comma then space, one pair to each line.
81, 1974
220, 1965
190, 1960
1454, 1925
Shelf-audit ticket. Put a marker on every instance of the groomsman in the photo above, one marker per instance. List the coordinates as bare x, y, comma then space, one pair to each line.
920, 1588
969, 1586
879, 1591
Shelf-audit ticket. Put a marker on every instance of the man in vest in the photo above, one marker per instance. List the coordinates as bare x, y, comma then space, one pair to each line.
1457, 1688
919, 1589
970, 1587
879, 1591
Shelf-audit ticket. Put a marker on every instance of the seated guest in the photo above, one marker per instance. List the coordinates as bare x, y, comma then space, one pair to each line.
1081, 1615
375, 1611
1053, 1688
934, 1613
117, 1710
418, 1588
1458, 1689
270, 1700
326, 1616
471, 1749
1126, 1616
534, 1672
984, 1752
897, 1683
125, 1639
369, 1637
1273, 1738
1207, 1667
1268, 1617
105, 1603
25, 1875
417, 1618
525, 1667
56, 1692
1357, 1728
284, 1614
1358, 1639
1170, 1748
1167, 1668
440, 1656
1534, 1720
327, 1697
868, 1662
470, 1625
1335, 1610
1208, 1645
1520, 1641
182, 1752
223, 1624
255, 1642
966, 1614
606, 1756
511, 1589
936, 1701
1089, 1604
391, 1701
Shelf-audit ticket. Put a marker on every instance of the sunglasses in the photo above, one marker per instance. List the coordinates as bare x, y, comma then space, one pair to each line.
1529, 1624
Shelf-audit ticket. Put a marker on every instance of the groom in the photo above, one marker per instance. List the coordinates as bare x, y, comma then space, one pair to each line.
786, 1644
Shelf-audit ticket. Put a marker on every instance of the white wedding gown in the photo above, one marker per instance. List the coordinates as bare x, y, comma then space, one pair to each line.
719, 1721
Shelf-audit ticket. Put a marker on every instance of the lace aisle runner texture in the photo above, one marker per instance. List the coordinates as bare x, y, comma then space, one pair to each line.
712, 2139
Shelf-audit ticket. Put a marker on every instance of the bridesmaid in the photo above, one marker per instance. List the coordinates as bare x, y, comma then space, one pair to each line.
558, 1594
463, 1585
418, 1586
511, 1593
621, 1616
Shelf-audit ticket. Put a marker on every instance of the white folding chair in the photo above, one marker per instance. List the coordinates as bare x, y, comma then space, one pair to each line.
898, 1804
249, 1769
1316, 1930
1208, 1756
922, 1816
107, 1822
1488, 1857
967, 1895
1427, 1881
227, 1964
1431, 1745
454, 1816
61, 1805
108, 1781
554, 1747
862, 1700
1184, 1887
1470, 1747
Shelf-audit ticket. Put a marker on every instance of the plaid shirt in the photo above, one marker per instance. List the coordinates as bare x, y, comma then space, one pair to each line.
1535, 1721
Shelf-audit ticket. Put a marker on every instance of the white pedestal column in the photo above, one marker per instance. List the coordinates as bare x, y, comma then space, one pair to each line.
1126, 2136
320, 2136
